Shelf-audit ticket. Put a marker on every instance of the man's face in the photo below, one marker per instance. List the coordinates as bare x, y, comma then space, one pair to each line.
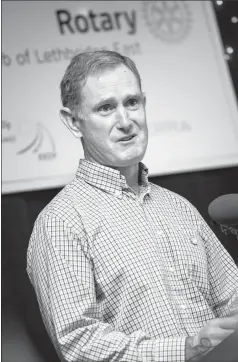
113, 127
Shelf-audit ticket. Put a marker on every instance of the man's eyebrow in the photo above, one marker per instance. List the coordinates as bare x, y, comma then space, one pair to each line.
134, 95
105, 100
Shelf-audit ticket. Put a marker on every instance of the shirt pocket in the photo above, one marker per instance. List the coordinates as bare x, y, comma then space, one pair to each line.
191, 260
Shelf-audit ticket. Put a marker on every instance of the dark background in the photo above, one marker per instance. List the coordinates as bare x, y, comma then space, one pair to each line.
23, 336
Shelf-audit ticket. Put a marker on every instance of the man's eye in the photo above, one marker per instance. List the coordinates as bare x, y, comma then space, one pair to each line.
105, 108
133, 103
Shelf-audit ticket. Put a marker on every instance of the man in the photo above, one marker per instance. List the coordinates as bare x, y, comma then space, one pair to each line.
124, 270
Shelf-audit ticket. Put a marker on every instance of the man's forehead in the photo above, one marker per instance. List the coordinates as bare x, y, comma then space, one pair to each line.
110, 74
110, 85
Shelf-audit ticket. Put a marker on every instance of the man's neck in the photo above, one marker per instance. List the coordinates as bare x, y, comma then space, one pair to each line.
131, 174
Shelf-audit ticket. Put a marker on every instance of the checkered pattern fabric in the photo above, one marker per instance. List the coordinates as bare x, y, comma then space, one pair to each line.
127, 278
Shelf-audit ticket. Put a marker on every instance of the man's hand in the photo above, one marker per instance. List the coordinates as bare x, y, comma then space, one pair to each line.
233, 309
212, 334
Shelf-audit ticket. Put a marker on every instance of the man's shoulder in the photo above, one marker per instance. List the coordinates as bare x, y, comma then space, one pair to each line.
73, 201
171, 197
175, 206
62, 205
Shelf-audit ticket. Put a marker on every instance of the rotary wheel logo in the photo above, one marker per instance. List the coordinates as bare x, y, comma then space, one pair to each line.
168, 20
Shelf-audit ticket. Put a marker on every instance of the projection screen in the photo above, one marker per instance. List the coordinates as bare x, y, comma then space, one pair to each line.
191, 107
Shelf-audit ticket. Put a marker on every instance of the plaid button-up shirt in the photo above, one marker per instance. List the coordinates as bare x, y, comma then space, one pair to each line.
126, 278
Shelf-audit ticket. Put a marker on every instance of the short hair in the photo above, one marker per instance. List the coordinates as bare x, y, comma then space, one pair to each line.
88, 64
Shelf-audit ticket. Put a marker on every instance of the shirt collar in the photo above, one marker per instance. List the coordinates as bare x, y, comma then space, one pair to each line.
106, 178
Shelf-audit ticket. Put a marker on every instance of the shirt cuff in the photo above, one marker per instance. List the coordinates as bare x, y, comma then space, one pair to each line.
171, 349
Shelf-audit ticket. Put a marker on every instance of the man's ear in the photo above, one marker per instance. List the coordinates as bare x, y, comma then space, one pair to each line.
70, 121
144, 98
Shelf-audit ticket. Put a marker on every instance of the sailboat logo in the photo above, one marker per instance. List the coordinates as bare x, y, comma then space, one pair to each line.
43, 144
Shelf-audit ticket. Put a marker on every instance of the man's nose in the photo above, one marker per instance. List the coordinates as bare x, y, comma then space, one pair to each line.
123, 119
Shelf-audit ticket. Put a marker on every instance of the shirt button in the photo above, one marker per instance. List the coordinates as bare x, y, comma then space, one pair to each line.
183, 306
172, 269
160, 232
194, 241
118, 193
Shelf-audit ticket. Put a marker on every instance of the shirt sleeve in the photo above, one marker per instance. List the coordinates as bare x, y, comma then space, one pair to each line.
60, 268
222, 271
